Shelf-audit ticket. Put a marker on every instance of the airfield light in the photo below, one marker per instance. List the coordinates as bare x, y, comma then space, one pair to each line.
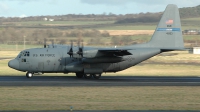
71, 108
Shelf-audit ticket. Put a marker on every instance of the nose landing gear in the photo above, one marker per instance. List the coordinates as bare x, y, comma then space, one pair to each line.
79, 75
29, 74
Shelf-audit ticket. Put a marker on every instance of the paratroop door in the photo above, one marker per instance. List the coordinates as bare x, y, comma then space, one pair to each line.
40, 66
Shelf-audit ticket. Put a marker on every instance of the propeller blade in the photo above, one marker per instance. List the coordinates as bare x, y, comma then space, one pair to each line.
80, 49
70, 52
45, 43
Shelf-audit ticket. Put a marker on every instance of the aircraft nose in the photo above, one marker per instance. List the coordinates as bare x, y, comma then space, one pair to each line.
13, 64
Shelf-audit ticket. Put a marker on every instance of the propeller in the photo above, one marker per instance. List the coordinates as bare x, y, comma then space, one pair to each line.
70, 52
61, 60
80, 49
45, 42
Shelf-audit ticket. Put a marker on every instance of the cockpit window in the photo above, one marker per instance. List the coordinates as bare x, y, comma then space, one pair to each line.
19, 55
26, 53
23, 54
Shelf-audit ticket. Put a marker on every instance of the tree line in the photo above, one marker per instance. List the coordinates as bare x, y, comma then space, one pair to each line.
188, 12
15, 34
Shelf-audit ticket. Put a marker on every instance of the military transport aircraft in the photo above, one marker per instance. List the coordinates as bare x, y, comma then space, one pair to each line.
91, 62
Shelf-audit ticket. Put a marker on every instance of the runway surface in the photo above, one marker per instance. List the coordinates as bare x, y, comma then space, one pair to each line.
103, 81
110, 111
2, 58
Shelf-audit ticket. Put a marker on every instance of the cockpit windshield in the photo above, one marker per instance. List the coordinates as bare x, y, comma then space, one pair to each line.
24, 54
19, 55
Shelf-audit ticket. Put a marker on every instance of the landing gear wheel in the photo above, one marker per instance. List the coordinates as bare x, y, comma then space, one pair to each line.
88, 76
96, 76
29, 74
79, 75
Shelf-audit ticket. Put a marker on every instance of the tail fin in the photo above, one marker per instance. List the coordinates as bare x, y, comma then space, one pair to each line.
168, 34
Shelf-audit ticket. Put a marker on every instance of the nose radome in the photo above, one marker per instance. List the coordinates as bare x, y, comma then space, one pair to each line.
13, 64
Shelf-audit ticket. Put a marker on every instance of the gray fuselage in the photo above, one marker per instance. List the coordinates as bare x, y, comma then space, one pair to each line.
56, 60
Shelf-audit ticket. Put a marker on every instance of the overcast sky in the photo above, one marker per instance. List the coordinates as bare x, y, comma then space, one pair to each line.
17, 8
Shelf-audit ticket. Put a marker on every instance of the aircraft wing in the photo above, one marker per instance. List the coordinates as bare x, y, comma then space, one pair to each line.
115, 51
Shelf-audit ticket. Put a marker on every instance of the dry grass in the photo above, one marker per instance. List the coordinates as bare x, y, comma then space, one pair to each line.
129, 32
161, 70
100, 98
9, 54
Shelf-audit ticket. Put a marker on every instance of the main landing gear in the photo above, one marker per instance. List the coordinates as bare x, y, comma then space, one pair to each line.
29, 74
79, 75
88, 76
96, 76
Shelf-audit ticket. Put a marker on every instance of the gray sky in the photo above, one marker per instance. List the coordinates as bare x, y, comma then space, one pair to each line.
17, 8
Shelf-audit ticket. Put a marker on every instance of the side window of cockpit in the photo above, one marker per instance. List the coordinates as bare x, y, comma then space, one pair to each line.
23, 60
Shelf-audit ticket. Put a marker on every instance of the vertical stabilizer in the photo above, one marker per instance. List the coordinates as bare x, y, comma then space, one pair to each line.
168, 34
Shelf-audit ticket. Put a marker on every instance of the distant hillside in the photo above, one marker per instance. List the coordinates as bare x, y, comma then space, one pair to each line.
188, 12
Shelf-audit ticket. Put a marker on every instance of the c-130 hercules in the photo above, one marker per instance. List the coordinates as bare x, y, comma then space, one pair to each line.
91, 62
